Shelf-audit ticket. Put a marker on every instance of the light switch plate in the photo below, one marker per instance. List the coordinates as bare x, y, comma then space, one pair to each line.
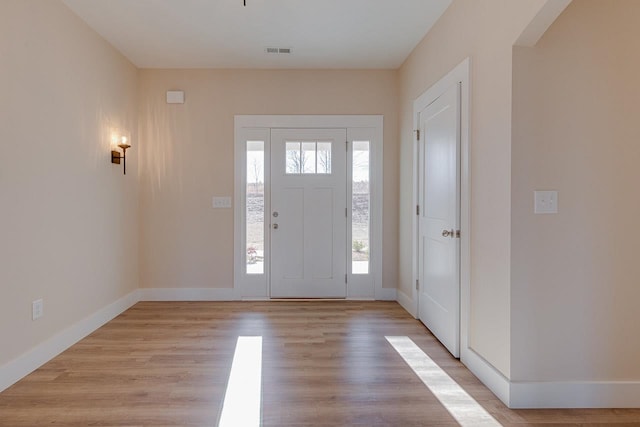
37, 309
175, 97
221, 202
545, 202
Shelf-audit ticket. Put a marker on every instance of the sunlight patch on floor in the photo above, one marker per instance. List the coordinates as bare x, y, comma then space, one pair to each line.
242, 400
460, 405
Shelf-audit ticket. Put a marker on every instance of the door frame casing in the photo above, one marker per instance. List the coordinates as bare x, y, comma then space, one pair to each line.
460, 74
247, 287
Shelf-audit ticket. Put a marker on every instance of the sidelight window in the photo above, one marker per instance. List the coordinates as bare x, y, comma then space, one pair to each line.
255, 208
360, 208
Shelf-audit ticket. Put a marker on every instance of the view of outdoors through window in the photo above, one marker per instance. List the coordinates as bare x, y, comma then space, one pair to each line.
308, 157
255, 207
360, 212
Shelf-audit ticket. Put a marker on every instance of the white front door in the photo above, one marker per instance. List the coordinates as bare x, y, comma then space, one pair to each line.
439, 243
308, 213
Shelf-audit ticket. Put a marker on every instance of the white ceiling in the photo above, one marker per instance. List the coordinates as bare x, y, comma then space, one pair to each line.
225, 34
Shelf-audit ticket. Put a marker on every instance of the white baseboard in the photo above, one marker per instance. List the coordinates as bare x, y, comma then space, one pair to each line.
559, 395
187, 294
575, 394
386, 294
407, 303
23, 365
487, 374
227, 294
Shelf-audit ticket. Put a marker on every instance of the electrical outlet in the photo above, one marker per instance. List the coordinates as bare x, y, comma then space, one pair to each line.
37, 309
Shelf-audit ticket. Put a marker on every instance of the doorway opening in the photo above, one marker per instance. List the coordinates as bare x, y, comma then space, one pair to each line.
308, 211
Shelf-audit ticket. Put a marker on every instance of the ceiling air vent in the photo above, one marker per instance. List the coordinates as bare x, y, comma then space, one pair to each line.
278, 50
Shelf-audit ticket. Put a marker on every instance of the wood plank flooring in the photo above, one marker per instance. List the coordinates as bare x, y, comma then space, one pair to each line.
325, 363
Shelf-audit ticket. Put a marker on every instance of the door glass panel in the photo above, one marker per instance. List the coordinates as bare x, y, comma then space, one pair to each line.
308, 157
255, 207
324, 157
360, 208
293, 157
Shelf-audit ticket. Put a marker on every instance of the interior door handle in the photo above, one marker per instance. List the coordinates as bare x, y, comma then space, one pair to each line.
448, 233
275, 226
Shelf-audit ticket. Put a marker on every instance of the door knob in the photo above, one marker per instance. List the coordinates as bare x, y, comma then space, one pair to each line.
448, 233
275, 226
275, 214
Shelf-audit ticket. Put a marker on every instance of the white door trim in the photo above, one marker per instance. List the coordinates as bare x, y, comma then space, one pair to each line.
460, 74
246, 287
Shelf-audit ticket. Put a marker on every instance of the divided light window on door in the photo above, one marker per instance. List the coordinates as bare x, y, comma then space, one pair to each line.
255, 207
308, 157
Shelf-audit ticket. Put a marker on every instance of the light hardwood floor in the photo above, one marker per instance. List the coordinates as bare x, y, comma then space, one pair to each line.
325, 363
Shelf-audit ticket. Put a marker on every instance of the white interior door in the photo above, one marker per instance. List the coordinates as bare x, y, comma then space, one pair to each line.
439, 248
308, 213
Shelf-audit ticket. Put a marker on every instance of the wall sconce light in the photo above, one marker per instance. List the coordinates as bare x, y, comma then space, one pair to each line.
123, 143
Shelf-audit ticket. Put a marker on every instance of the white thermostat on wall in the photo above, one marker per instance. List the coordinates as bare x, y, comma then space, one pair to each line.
175, 97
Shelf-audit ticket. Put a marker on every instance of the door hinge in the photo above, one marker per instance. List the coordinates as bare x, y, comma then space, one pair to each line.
417, 284
417, 209
345, 278
346, 146
346, 215
418, 134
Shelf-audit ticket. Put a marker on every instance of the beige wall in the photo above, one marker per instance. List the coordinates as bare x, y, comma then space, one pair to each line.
68, 228
187, 158
553, 297
485, 31
575, 275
